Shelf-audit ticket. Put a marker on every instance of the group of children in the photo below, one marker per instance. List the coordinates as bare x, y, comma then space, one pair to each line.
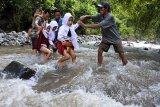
60, 34
62, 38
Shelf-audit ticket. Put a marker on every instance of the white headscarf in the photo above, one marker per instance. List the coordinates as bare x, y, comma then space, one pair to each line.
45, 32
66, 18
52, 32
63, 30
53, 24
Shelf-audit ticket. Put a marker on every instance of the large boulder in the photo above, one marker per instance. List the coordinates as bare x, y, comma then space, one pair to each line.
16, 69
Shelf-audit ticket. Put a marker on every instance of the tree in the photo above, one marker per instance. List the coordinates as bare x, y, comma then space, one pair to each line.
135, 18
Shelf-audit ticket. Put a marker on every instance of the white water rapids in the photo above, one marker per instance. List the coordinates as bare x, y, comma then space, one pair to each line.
83, 84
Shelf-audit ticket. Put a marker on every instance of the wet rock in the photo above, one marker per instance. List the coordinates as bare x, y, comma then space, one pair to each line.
137, 41
1, 34
156, 42
97, 44
146, 42
99, 38
146, 49
12, 43
129, 43
125, 39
14, 33
148, 103
1, 39
5, 44
16, 69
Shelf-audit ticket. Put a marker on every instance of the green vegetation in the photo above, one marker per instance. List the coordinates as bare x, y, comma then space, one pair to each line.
137, 19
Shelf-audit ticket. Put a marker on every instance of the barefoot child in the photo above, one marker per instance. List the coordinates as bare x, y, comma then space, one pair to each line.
67, 40
43, 43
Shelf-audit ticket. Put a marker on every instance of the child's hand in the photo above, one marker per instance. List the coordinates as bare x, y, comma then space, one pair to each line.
40, 15
39, 27
64, 43
37, 14
67, 44
80, 23
82, 18
37, 33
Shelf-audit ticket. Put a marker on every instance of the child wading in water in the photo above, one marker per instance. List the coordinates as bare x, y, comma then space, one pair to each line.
67, 40
43, 43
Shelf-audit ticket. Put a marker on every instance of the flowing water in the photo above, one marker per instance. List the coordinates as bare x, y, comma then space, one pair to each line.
83, 84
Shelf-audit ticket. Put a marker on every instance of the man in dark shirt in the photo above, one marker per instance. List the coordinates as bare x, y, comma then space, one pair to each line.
110, 35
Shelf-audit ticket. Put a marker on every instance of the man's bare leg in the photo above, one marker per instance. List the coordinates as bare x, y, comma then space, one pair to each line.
123, 58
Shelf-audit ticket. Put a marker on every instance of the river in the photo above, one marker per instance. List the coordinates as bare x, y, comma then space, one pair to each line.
83, 84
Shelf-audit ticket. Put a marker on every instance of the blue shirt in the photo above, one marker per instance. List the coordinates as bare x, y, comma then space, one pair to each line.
59, 25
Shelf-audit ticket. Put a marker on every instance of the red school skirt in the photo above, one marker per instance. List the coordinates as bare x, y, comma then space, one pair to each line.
60, 47
42, 40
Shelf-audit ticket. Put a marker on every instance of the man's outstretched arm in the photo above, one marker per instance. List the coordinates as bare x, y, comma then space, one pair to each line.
85, 17
89, 25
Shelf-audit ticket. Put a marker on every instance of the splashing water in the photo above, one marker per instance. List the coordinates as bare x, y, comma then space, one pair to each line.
84, 84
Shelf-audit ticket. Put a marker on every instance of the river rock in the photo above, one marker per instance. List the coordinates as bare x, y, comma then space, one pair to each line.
1, 39
14, 33
13, 38
12, 43
16, 69
97, 43
145, 48
1, 34
18, 38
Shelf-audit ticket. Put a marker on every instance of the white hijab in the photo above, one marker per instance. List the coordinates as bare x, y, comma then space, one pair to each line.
63, 30
51, 32
45, 32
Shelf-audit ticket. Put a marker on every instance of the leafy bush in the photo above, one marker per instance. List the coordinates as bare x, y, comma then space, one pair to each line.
135, 18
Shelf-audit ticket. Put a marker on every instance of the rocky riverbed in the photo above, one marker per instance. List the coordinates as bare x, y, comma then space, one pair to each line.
21, 38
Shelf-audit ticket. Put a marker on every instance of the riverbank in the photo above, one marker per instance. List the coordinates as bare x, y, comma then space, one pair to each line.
20, 39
